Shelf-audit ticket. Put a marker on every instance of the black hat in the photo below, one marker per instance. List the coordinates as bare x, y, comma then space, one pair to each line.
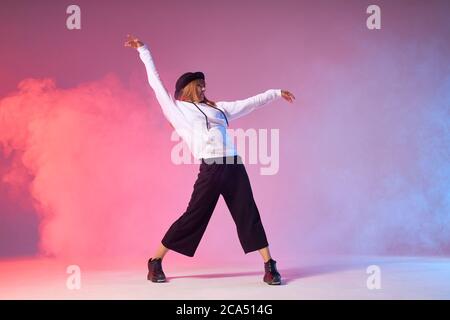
184, 80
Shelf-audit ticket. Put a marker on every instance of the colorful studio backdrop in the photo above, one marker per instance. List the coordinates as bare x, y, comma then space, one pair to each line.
86, 168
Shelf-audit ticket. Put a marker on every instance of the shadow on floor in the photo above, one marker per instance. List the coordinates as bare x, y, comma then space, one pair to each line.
218, 275
288, 275
293, 274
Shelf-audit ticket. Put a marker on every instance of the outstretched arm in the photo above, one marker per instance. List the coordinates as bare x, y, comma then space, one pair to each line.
164, 98
239, 108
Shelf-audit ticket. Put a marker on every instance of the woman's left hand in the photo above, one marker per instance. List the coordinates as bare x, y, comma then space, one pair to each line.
287, 96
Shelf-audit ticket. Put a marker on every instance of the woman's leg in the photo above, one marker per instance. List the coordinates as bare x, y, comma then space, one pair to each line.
265, 254
160, 252
185, 233
238, 196
155, 270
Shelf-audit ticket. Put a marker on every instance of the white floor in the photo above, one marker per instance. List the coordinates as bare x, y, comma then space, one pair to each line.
318, 278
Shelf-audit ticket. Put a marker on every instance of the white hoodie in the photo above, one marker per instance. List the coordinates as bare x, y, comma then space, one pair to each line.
190, 123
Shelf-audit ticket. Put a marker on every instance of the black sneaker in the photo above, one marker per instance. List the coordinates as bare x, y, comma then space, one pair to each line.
271, 276
155, 271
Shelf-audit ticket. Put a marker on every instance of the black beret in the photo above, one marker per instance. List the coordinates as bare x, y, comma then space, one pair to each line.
184, 80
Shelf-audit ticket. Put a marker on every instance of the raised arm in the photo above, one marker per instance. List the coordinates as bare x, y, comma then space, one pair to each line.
236, 109
239, 108
166, 101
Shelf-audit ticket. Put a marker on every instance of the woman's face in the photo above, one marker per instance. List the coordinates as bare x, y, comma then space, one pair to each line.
200, 89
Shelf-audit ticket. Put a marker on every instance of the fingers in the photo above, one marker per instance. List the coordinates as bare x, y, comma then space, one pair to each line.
131, 37
288, 96
131, 41
128, 41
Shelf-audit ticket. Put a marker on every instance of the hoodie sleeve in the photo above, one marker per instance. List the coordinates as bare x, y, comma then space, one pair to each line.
166, 101
239, 108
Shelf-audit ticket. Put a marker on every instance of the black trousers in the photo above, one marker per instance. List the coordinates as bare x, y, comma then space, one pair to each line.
224, 176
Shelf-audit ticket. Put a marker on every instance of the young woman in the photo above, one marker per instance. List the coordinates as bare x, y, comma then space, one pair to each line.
203, 124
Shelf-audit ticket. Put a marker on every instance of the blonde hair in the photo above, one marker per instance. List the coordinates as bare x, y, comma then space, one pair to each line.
189, 93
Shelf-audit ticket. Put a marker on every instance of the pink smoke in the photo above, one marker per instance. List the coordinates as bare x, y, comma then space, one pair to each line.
95, 155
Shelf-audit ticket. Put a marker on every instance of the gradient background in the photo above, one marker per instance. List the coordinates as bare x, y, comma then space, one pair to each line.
85, 150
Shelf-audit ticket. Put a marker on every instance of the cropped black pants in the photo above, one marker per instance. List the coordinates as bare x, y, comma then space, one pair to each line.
224, 176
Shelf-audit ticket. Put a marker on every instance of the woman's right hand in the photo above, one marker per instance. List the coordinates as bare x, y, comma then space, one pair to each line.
133, 42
